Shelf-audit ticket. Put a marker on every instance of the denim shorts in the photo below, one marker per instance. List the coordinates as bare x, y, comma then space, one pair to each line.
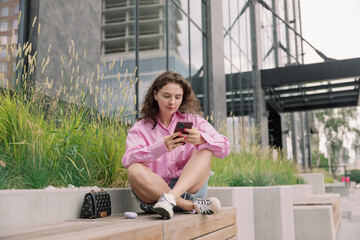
201, 193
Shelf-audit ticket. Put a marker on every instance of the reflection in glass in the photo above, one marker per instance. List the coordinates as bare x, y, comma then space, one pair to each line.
240, 90
178, 41
196, 49
195, 12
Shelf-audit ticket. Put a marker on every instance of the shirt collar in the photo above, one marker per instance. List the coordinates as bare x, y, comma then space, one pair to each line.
177, 115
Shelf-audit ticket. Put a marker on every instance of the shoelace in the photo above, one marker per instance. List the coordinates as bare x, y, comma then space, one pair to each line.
203, 206
164, 200
149, 208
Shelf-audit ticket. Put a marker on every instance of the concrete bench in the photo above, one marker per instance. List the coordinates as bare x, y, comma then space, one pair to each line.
342, 189
314, 222
331, 199
318, 208
146, 226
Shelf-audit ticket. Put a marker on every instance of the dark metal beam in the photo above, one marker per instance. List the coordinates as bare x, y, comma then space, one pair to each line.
312, 97
300, 74
315, 88
336, 103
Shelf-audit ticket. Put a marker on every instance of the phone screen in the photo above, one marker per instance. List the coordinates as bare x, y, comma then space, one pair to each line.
180, 126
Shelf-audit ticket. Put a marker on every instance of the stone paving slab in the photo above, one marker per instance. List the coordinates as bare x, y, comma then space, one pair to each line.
350, 224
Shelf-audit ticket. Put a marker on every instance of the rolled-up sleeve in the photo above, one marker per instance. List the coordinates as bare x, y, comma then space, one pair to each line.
215, 142
138, 150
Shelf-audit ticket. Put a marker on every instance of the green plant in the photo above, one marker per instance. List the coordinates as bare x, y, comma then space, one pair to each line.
354, 175
68, 146
45, 140
254, 167
319, 160
327, 176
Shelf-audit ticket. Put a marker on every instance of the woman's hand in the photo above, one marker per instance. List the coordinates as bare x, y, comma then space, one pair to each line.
172, 143
194, 137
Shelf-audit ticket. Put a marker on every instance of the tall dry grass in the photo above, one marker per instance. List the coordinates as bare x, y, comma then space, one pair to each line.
59, 139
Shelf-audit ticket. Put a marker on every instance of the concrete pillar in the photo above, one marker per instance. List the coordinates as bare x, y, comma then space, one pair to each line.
274, 217
216, 72
71, 28
238, 197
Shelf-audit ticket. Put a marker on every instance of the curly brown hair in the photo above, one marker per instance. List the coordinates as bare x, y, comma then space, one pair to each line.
189, 104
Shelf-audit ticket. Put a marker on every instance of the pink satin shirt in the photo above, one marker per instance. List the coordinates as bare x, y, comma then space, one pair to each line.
146, 145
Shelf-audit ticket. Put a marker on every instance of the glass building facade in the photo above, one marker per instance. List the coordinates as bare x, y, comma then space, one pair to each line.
9, 14
166, 35
211, 43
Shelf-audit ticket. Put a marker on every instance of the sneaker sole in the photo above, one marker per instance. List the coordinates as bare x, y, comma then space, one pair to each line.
215, 205
164, 210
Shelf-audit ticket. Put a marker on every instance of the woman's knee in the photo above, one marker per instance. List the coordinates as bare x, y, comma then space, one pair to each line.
137, 171
204, 153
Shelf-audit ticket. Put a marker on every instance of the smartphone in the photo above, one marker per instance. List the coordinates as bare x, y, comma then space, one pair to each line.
180, 126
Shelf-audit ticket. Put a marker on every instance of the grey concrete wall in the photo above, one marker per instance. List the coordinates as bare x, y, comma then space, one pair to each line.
20, 208
274, 218
316, 180
337, 188
71, 28
314, 223
243, 199
301, 191
216, 78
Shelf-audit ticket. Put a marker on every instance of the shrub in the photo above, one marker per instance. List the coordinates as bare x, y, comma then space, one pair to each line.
67, 144
255, 167
354, 175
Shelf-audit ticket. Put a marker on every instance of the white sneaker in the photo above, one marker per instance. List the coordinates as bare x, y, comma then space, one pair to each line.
207, 206
165, 205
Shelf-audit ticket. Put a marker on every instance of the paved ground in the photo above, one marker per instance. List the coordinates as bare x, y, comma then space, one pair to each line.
350, 222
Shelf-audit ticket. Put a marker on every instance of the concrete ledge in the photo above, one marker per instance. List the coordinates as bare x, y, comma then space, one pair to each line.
316, 180
301, 191
337, 188
243, 199
20, 208
314, 223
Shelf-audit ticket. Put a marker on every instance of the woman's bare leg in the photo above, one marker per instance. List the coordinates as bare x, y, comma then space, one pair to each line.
194, 175
149, 187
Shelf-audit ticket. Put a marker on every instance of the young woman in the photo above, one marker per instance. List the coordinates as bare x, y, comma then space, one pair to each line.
169, 170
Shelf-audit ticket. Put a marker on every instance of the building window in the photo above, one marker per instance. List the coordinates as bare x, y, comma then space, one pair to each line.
3, 26
15, 24
4, 11
5, 1
3, 67
2, 53
16, 9
4, 40
15, 38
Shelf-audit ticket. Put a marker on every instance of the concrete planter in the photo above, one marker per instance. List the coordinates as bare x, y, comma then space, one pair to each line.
263, 212
274, 217
301, 191
241, 198
20, 208
341, 188
316, 180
